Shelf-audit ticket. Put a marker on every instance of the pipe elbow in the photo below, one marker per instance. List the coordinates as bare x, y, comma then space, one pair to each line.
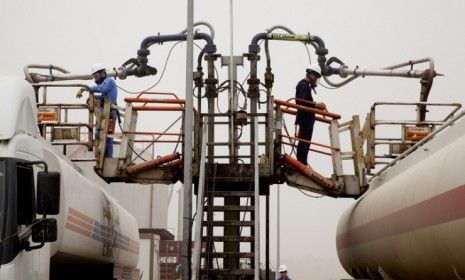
254, 47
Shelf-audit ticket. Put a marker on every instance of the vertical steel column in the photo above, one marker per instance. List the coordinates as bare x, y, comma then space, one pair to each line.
278, 229
254, 83
232, 92
256, 196
188, 117
267, 234
232, 103
200, 203
211, 95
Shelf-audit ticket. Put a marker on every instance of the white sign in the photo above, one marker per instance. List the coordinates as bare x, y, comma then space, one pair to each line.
168, 260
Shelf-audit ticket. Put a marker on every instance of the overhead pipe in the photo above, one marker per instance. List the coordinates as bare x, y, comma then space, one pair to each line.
321, 50
427, 76
204, 23
144, 52
65, 75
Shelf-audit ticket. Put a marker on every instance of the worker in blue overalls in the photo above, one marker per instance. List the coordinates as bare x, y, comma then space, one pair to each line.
106, 86
305, 120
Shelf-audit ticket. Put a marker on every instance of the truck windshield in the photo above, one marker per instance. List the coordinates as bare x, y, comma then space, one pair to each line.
2, 195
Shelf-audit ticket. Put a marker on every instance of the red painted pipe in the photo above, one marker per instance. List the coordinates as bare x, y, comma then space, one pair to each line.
155, 100
157, 108
308, 171
152, 163
174, 163
307, 109
318, 106
157, 93
294, 112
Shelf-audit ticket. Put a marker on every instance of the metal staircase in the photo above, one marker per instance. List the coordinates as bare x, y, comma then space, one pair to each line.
232, 252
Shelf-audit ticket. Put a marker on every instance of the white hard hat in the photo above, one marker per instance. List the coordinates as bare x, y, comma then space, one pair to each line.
97, 67
282, 268
314, 68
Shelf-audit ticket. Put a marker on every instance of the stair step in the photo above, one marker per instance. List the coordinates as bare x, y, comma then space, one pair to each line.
231, 193
230, 238
228, 271
222, 255
229, 223
230, 208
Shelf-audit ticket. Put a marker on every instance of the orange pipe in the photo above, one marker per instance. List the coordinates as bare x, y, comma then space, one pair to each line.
293, 112
157, 93
174, 163
308, 171
157, 108
308, 102
307, 109
155, 100
151, 163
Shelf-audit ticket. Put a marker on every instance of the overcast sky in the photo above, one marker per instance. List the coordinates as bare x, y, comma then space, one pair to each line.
372, 34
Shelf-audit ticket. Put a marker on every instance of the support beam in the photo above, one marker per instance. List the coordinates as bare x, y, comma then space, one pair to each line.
188, 127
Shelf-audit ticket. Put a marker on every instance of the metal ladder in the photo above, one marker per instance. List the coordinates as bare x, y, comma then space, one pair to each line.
238, 230
223, 255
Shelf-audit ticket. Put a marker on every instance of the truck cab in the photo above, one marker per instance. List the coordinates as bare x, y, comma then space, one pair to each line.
54, 222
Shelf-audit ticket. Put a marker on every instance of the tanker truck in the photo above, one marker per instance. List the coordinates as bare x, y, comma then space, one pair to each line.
54, 222
411, 221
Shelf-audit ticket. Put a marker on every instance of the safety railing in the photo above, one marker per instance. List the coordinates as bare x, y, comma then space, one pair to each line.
411, 132
56, 120
130, 160
333, 149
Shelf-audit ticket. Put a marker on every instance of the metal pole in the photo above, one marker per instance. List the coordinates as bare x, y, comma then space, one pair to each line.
257, 198
267, 246
200, 203
231, 97
188, 127
278, 230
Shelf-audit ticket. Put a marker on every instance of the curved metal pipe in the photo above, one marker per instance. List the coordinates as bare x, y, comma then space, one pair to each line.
321, 50
147, 42
204, 23
143, 52
285, 28
254, 47
51, 67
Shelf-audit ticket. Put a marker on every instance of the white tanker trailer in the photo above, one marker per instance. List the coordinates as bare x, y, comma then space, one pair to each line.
410, 224
54, 222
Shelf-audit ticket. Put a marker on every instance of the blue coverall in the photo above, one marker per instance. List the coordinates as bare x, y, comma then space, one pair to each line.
108, 90
305, 120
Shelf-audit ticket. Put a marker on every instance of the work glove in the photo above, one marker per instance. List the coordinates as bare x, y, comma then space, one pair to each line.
79, 92
321, 105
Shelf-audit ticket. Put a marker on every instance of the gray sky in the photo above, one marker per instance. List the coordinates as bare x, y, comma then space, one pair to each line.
372, 34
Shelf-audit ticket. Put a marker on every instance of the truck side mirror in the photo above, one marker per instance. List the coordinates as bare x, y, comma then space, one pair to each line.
48, 193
